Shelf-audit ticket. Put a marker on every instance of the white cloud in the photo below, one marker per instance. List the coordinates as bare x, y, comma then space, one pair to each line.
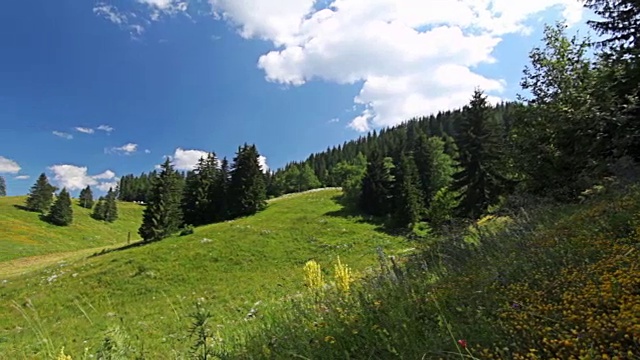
126, 149
22, 177
147, 151
63, 135
84, 130
186, 159
263, 163
105, 128
76, 177
413, 57
105, 175
110, 13
8, 166
334, 120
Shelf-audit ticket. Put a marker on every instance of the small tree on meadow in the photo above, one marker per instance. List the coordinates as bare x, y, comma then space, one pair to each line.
86, 198
61, 213
3, 187
110, 209
40, 195
98, 210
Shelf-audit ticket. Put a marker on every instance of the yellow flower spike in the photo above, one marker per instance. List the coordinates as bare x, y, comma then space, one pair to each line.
313, 276
343, 277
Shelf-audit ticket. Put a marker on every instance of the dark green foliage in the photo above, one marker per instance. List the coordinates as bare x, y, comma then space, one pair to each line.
162, 216
478, 182
198, 202
247, 188
86, 198
61, 213
135, 188
186, 230
99, 209
219, 193
3, 187
377, 186
349, 175
40, 195
434, 166
408, 199
110, 210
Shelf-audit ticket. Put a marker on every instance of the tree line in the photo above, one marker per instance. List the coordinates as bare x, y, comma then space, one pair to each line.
214, 191
60, 211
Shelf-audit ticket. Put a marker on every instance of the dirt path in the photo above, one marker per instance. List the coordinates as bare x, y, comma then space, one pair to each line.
17, 267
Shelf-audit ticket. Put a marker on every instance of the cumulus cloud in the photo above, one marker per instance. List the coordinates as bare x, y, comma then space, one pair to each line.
413, 57
262, 160
147, 151
8, 166
63, 135
75, 177
126, 149
84, 130
22, 177
186, 159
105, 128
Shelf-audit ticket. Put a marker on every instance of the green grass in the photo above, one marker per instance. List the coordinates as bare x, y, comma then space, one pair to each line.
23, 234
149, 290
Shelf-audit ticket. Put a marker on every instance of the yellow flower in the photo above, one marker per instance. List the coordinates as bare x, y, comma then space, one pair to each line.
62, 355
313, 275
330, 339
343, 276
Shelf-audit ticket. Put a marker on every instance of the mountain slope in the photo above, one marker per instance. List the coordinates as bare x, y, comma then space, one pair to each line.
23, 234
149, 289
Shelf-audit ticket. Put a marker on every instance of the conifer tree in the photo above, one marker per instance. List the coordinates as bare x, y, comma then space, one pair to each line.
110, 209
61, 213
99, 209
478, 184
3, 187
190, 213
247, 189
162, 216
86, 197
435, 166
40, 195
220, 192
377, 186
408, 198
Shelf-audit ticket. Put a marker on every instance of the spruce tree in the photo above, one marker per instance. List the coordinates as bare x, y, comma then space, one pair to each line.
110, 209
40, 195
190, 213
61, 213
477, 183
377, 186
408, 198
99, 209
3, 187
86, 198
219, 192
162, 216
247, 190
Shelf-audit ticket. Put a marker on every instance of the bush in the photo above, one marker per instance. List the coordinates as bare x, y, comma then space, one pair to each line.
187, 230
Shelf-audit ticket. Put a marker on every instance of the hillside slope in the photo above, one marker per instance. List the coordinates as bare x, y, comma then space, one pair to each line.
23, 234
149, 289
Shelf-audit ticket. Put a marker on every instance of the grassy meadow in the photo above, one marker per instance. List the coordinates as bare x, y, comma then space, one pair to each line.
148, 291
23, 234
543, 281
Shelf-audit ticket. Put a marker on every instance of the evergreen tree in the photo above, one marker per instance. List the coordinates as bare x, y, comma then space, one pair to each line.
86, 197
435, 166
3, 187
477, 182
247, 189
40, 195
408, 198
110, 209
61, 213
219, 193
99, 209
190, 215
162, 216
377, 186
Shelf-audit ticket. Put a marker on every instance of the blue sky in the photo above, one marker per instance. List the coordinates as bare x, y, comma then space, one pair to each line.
93, 91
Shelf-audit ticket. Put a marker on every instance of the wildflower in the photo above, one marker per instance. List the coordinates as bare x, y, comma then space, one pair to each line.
462, 343
330, 339
313, 275
63, 356
343, 276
